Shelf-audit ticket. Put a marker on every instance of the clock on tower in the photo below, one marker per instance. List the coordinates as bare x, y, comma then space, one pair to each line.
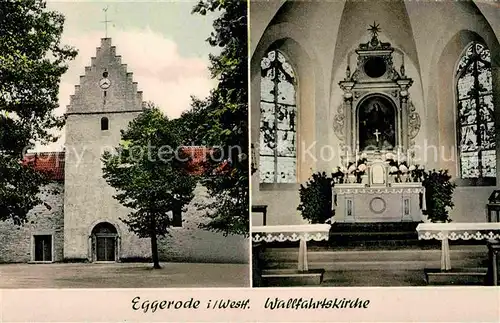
104, 83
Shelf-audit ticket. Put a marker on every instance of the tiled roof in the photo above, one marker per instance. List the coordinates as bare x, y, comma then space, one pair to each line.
198, 157
50, 162
53, 162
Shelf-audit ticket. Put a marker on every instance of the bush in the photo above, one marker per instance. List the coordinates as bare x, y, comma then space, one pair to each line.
316, 198
438, 195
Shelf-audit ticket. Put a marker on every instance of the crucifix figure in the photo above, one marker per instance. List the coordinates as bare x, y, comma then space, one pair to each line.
377, 133
106, 21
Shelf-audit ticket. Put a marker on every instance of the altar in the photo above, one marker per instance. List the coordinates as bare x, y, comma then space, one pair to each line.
379, 201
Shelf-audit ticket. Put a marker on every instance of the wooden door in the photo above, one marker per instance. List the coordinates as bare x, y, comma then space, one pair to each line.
43, 248
105, 248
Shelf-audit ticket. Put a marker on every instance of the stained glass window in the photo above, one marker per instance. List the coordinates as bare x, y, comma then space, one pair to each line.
278, 120
476, 126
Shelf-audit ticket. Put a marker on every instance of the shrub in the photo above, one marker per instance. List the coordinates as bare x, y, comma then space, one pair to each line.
438, 195
316, 198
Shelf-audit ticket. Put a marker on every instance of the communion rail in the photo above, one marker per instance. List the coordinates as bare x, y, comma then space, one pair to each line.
455, 231
301, 232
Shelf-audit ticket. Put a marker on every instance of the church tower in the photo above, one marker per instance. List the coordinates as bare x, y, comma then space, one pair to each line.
104, 103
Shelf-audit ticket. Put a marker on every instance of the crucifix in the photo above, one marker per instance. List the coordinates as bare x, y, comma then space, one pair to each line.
106, 21
377, 133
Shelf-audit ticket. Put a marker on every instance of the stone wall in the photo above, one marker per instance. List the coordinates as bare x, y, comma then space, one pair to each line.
190, 243
187, 243
16, 241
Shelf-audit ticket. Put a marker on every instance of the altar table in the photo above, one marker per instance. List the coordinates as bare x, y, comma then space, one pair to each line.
300, 232
456, 231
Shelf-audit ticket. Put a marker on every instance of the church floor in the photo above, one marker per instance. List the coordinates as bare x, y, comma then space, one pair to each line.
124, 275
374, 278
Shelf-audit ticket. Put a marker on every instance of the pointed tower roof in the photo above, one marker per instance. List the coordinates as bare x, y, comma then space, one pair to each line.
106, 86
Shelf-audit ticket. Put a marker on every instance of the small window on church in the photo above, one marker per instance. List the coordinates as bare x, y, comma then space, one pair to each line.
104, 123
278, 120
475, 120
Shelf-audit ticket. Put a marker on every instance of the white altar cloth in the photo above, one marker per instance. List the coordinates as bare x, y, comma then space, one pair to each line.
301, 232
456, 231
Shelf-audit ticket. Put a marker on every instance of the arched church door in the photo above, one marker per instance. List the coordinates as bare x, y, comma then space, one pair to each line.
104, 242
377, 124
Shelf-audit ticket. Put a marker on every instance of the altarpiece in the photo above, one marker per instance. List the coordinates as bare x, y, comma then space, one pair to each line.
377, 120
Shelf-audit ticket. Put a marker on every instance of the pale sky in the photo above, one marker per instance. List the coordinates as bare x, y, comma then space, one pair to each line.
161, 42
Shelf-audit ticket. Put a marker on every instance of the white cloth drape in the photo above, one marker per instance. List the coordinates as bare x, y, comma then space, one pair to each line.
301, 233
456, 231
303, 265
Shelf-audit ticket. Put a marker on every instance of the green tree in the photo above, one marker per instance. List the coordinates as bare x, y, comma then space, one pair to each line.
32, 61
192, 124
150, 175
226, 125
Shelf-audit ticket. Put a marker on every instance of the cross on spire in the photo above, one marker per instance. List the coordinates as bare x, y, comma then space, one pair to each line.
106, 21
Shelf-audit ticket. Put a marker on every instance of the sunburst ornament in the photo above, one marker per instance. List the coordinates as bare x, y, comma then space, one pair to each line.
374, 29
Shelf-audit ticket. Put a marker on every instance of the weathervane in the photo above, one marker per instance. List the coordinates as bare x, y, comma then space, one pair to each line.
374, 29
106, 21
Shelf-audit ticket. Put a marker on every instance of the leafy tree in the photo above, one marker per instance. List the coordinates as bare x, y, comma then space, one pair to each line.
192, 125
150, 175
226, 125
32, 61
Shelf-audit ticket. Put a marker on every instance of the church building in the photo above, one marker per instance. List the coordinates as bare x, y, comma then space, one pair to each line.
81, 223
335, 82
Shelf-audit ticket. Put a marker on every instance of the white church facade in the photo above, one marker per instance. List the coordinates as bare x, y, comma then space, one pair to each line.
82, 222
333, 82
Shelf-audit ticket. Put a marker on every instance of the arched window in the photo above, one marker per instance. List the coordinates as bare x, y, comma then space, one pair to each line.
278, 120
475, 121
104, 228
104, 123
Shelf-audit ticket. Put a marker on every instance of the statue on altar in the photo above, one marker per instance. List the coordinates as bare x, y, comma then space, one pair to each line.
376, 124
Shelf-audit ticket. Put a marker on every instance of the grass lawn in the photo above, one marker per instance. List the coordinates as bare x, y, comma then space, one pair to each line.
123, 275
